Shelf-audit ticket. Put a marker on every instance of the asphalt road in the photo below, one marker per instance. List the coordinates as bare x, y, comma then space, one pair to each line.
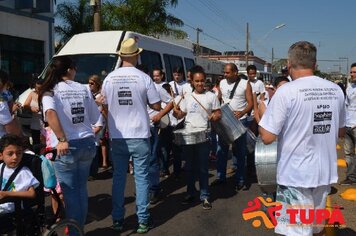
172, 218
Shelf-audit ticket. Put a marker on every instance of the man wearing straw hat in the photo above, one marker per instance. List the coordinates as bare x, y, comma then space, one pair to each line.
127, 92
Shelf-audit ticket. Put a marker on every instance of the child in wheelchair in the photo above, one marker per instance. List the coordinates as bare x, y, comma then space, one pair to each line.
16, 180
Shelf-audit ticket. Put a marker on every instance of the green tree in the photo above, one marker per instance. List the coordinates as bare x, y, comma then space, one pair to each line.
74, 18
148, 17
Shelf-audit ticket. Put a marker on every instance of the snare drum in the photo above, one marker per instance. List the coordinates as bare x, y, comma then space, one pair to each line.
229, 128
190, 136
266, 165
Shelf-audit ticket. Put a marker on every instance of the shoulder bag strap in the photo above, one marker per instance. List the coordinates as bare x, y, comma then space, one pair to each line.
234, 88
2, 173
12, 177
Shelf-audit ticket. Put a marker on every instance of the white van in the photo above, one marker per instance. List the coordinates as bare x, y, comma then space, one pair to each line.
96, 53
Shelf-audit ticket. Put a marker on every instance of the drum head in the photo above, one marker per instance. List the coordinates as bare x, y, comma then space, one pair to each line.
164, 122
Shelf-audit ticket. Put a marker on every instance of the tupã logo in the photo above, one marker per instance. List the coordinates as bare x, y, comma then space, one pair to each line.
254, 211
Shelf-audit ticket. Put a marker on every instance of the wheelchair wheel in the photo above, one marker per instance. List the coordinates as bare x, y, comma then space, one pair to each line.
65, 227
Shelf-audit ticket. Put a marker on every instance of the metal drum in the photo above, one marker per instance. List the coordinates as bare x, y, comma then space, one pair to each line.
266, 165
190, 136
250, 141
229, 128
164, 122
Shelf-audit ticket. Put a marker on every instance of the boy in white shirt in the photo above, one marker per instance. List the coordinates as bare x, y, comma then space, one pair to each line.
197, 117
24, 183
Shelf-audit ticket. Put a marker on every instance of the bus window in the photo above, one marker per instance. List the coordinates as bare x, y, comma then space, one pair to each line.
189, 63
151, 60
170, 62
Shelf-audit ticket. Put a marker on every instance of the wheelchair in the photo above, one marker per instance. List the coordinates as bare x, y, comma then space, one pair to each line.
30, 216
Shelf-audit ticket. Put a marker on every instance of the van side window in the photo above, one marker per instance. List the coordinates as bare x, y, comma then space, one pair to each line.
189, 63
171, 61
151, 60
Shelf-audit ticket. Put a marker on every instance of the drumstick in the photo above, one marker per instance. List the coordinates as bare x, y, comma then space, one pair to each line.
172, 94
181, 99
201, 105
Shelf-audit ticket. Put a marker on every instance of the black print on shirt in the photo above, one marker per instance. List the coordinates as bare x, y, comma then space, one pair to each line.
125, 102
321, 116
124, 94
77, 110
321, 129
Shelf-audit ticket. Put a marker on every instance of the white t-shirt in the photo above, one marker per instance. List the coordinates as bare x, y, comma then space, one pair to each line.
196, 116
257, 87
306, 115
351, 105
172, 120
5, 117
238, 101
75, 107
187, 89
177, 87
128, 91
99, 123
165, 99
22, 182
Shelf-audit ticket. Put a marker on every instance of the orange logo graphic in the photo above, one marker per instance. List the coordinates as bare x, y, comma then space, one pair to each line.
254, 210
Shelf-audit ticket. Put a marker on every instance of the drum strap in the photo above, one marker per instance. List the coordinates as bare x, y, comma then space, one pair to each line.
234, 88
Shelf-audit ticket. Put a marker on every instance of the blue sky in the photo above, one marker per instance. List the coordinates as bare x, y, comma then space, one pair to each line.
330, 25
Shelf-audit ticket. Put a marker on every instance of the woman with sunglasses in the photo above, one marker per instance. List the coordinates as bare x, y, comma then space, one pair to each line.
70, 110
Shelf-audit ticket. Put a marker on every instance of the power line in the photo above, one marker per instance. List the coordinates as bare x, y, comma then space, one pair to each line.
210, 18
210, 36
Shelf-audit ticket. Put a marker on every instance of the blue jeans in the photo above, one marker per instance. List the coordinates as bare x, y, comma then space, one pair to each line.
239, 150
72, 171
154, 162
197, 161
349, 148
121, 151
214, 141
165, 146
94, 167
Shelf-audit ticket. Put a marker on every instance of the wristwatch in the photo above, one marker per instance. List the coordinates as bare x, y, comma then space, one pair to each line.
62, 139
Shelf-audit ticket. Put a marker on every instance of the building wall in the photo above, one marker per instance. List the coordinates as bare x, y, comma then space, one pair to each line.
240, 62
26, 38
29, 28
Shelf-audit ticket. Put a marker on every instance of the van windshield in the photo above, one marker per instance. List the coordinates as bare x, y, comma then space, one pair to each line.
90, 64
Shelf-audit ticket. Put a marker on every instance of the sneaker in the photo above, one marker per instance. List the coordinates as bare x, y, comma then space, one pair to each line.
154, 198
164, 174
239, 186
144, 228
117, 225
91, 178
212, 157
131, 168
207, 205
230, 170
218, 182
188, 199
347, 182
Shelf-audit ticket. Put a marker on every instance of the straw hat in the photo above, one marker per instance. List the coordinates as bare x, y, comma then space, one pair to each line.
129, 48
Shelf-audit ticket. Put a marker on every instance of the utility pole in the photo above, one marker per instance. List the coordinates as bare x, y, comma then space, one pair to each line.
97, 15
247, 45
198, 46
272, 61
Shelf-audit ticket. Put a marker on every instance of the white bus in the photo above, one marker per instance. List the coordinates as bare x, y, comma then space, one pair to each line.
96, 53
